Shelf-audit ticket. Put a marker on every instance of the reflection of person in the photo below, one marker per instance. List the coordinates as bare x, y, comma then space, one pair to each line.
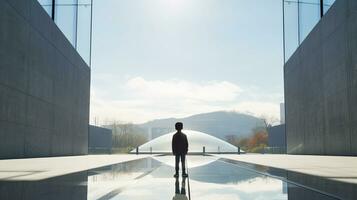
180, 195
179, 148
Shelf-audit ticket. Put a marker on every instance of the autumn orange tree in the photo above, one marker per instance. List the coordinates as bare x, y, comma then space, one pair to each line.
258, 142
253, 144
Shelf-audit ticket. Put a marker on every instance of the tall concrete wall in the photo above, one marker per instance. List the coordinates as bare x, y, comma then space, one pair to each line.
44, 86
321, 86
100, 140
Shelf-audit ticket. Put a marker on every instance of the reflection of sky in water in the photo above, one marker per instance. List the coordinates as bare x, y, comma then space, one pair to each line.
257, 188
213, 180
164, 188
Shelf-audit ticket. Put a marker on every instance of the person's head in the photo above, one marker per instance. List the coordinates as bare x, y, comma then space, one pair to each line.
179, 126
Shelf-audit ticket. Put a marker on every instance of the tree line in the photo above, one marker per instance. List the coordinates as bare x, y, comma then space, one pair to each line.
126, 137
253, 144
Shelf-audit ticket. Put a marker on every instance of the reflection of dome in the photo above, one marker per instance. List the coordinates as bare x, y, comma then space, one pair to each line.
195, 161
201, 168
197, 140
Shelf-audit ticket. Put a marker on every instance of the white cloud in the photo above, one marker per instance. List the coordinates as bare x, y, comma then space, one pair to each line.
139, 100
184, 90
259, 109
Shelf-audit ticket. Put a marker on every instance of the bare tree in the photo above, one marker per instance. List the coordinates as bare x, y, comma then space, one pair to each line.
269, 121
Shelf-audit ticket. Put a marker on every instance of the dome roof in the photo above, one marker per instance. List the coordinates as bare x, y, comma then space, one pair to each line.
196, 140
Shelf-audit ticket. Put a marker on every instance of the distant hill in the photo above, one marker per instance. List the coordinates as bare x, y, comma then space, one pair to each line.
219, 124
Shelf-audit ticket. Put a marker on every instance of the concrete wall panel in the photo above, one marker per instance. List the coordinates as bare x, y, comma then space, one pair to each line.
21, 7
12, 143
44, 86
37, 142
100, 140
320, 89
12, 105
13, 63
335, 16
352, 72
354, 138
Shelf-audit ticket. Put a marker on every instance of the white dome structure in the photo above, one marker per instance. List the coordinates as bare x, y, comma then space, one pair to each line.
196, 140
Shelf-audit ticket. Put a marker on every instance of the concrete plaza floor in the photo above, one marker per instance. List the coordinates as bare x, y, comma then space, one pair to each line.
334, 176
338, 168
34, 169
152, 178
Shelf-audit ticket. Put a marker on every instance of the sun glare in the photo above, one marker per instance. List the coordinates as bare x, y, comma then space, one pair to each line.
174, 5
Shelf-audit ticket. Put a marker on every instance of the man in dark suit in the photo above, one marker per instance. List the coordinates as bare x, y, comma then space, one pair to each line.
179, 149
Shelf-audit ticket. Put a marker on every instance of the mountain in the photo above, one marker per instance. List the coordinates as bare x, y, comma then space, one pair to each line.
219, 124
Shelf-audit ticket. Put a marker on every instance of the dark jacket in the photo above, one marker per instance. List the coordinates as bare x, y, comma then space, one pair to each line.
179, 144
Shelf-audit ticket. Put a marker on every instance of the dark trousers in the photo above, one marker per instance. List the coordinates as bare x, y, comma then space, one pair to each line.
177, 160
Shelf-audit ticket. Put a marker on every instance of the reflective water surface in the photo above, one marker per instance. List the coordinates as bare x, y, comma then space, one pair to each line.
152, 178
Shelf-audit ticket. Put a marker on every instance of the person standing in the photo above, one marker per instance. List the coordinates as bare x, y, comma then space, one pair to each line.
179, 149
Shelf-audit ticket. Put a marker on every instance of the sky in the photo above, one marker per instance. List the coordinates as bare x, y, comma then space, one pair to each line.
156, 59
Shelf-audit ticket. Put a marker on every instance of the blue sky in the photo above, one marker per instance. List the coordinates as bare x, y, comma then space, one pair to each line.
173, 58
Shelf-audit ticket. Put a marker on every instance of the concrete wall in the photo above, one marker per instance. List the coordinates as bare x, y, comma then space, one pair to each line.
321, 86
100, 140
44, 86
276, 136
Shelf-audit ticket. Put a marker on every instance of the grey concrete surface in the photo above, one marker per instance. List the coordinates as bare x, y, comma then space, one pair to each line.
336, 175
276, 136
340, 168
100, 140
34, 169
320, 86
69, 187
44, 86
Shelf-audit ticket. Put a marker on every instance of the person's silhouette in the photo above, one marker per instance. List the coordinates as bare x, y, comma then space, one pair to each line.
180, 195
179, 149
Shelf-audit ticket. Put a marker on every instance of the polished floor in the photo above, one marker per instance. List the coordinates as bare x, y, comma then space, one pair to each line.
152, 178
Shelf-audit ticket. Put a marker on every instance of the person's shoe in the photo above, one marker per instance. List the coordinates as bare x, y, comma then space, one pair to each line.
184, 175
176, 175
